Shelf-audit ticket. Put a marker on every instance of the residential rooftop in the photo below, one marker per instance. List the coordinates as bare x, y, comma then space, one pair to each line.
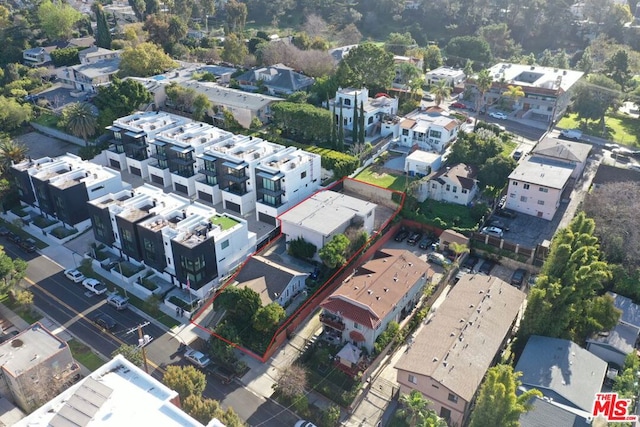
460, 341
326, 210
562, 149
630, 311
543, 174
269, 279
535, 76
562, 371
148, 122
231, 97
99, 68
378, 286
116, 394
423, 156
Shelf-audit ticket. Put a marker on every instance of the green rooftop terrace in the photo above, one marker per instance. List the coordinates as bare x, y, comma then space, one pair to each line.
224, 222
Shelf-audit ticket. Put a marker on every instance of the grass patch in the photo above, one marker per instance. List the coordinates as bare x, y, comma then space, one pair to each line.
26, 314
62, 232
148, 284
223, 221
129, 269
140, 304
386, 180
19, 212
508, 147
18, 230
183, 304
618, 127
48, 120
43, 222
84, 355
450, 213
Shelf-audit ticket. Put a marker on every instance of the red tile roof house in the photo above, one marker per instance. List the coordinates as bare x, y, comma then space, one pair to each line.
384, 289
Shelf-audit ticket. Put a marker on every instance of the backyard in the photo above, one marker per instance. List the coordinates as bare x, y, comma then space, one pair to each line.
374, 175
620, 128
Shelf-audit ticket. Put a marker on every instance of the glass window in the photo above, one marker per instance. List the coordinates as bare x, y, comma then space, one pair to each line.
224, 244
453, 398
544, 190
526, 186
413, 379
435, 134
303, 175
523, 199
541, 202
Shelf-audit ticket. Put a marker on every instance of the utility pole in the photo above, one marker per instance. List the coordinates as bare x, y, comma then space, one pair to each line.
143, 340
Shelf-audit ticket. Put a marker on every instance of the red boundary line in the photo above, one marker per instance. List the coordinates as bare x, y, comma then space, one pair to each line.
290, 319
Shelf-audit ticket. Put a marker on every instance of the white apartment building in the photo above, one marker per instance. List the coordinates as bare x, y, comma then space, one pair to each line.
428, 130
349, 100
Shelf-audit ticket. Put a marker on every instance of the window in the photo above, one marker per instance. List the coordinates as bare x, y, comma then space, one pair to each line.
224, 244
512, 195
523, 199
455, 189
370, 121
413, 379
515, 183
464, 191
356, 325
541, 202
117, 135
526, 186
453, 398
405, 132
435, 134
303, 175
445, 413
544, 190
347, 102
434, 185
448, 187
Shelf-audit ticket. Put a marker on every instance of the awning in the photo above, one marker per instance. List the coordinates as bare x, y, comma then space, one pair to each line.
208, 157
134, 134
235, 166
182, 150
356, 336
159, 143
270, 176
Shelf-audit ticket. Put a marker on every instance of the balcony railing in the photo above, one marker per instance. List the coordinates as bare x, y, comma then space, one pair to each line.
332, 321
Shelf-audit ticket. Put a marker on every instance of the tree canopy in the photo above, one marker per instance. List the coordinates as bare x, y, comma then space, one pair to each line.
13, 114
144, 60
498, 402
366, 65
186, 380
57, 19
333, 252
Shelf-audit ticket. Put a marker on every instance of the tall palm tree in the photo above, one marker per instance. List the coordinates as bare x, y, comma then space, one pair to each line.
80, 120
483, 83
441, 91
431, 420
414, 407
10, 152
514, 93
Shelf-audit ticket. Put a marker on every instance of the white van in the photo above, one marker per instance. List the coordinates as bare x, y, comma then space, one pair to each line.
574, 134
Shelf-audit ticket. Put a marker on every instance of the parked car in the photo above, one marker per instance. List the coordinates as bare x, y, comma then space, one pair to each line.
505, 213
517, 155
197, 358
518, 277
428, 97
438, 258
303, 423
425, 242
574, 134
118, 301
414, 238
401, 235
104, 321
498, 115
74, 275
223, 374
493, 231
498, 223
470, 263
14, 237
4, 231
457, 105
487, 266
28, 245
94, 285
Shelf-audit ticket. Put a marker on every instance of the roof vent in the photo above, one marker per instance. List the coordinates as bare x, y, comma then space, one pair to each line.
17, 343
369, 291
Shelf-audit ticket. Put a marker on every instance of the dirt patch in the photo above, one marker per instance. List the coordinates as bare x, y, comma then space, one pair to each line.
40, 145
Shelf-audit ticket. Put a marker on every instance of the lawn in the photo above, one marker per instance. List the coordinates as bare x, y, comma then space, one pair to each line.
453, 215
397, 182
48, 120
508, 147
27, 314
84, 355
618, 128
224, 222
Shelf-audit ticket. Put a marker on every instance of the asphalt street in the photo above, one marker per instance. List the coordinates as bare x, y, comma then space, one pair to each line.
69, 305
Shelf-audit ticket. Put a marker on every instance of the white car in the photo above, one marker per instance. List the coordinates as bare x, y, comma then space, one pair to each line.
197, 358
74, 275
574, 134
303, 423
94, 286
498, 115
493, 231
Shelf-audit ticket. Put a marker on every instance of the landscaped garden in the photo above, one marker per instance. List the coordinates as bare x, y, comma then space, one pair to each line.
620, 128
43, 222
62, 232
223, 221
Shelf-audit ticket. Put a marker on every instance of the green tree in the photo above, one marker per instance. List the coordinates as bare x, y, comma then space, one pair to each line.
474, 148
565, 302
618, 67
236, 16
469, 47
186, 380
267, 318
201, 105
361, 124
240, 303
301, 248
234, 50
366, 65
65, 57
626, 383
441, 90
594, 98
561, 60
13, 114
495, 171
144, 60
130, 352
103, 36
302, 122
120, 98
514, 93
12, 271
355, 122
11, 151
79, 120
498, 36
414, 407
333, 252
498, 402
57, 19
399, 44
203, 410
483, 81
585, 63
432, 57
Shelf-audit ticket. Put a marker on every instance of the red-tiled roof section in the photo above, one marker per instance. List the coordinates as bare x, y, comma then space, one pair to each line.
378, 286
356, 336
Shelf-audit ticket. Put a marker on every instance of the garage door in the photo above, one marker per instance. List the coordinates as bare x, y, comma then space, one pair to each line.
136, 171
182, 189
232, 206
266, 218
157, 180
114, 164
205, 196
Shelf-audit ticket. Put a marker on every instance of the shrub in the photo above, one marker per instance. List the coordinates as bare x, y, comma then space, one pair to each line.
300, 248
